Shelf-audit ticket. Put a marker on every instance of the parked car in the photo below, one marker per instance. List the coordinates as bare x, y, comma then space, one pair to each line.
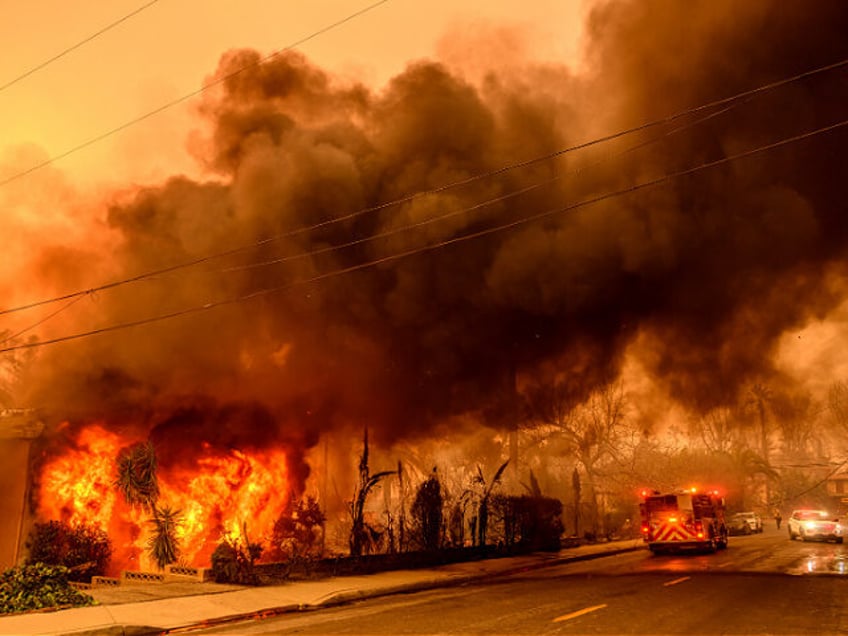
745, 523
814, 524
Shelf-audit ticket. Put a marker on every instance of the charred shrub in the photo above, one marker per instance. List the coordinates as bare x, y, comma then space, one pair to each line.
531, 522
233, 561
297, 535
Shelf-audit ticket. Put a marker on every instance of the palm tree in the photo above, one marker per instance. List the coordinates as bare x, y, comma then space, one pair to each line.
483, 507
136, 475
163, 545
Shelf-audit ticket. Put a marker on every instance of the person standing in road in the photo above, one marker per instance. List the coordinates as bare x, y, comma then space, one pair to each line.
777, 518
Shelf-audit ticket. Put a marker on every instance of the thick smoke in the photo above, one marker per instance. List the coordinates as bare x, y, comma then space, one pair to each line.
707, 271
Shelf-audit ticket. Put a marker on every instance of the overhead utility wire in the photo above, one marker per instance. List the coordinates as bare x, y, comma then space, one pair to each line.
420, 224
455, 184
346, 217
551, 212
220, 80
393, 257
180, 100
61, 309
74, 47
414, 226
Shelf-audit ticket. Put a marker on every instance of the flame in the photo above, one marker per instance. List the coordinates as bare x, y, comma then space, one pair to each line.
77, 486
222, 493
225, 493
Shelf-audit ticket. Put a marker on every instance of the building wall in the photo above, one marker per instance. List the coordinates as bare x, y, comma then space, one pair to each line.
14, 462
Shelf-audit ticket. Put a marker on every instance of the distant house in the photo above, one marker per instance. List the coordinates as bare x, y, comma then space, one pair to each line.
837, 489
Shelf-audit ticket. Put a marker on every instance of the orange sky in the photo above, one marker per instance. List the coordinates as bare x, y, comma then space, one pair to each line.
165, 52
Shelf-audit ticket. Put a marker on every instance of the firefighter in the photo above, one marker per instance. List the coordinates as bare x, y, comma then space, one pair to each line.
777, 518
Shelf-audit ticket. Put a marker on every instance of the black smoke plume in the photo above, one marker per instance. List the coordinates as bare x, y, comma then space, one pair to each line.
709, 269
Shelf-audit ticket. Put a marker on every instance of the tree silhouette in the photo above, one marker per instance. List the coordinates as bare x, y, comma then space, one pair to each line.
427, 512
591, 431
760, 397
483, 503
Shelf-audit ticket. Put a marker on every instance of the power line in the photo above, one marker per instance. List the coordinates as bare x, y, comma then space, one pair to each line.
818, 483
61, 309
74, 47
428, 248
502, 170
180, 100
414, 226
349, 216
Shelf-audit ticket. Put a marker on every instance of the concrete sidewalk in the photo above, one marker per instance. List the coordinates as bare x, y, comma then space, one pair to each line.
156, 608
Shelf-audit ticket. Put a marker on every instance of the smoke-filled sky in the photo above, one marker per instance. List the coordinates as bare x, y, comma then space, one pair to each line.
405, 316
169, 48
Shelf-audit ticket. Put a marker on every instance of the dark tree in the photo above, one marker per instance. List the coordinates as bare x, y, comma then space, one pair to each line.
427, 512
575, 486
298, 533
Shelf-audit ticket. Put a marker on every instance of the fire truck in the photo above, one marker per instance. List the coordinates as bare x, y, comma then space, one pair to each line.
685, 519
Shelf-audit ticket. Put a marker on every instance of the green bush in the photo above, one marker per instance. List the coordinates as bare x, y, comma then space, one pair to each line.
36, 586
85, 550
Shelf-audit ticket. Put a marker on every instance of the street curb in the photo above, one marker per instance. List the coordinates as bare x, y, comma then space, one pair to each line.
349, 596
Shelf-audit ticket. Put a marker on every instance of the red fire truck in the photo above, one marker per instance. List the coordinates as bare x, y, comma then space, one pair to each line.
685, 519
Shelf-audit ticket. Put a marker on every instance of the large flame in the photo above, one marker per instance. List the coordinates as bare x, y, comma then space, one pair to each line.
223, 493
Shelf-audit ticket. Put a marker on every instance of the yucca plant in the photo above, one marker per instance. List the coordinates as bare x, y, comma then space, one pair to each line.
136, 475
163, 546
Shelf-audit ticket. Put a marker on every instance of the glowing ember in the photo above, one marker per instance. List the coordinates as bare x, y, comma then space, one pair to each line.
218, 495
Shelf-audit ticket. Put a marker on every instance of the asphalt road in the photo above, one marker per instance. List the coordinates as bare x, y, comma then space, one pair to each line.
762, 584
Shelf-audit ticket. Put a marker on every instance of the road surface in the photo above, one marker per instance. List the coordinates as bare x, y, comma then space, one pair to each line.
762, 584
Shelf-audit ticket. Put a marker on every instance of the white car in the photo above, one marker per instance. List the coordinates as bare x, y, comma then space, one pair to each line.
814, 524
752, 521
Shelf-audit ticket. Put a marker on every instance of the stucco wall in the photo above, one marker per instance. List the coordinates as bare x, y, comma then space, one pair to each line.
14, 454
